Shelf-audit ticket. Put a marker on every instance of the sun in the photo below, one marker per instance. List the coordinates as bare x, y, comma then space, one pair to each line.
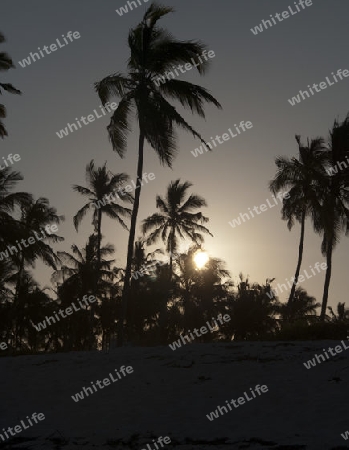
200, 259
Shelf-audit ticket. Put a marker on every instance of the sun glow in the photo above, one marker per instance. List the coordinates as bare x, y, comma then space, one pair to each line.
201, 259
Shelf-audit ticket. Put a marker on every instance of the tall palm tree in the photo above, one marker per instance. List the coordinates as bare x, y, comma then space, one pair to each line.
301, 177
5, 64
176, 219
102, 184
153, 52
333, 217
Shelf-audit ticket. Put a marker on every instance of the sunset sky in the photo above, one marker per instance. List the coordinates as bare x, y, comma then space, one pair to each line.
253, 76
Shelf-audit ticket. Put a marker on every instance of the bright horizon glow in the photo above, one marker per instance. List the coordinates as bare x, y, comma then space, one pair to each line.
201, 259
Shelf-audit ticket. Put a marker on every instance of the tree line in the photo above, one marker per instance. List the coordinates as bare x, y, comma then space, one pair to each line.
175, 295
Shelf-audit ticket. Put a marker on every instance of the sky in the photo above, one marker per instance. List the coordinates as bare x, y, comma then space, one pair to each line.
252, 76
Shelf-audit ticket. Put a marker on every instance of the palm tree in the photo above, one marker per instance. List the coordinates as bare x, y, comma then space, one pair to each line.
143, 261
303, 306
301, 177
7, 282
5, 64
8, 202
153, 52
101, 185
333, 216
143, 296
176, 218
79, 271
35, 216
27, 310
37, 305
342, 313
202, 292
253, 311
79, 266
10, 229
7, 270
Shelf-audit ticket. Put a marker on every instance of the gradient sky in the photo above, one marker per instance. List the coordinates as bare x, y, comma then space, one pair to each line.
252, 76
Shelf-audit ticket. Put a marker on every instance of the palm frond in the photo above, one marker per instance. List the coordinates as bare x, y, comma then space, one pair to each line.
189, 95
80, 215
119, 127
116, 84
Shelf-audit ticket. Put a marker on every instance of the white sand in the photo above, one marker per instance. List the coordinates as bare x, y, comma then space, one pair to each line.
170, 393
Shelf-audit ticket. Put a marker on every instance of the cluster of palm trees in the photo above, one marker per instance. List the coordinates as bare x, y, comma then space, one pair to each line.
318, 190
153, 51
175, 296
91, 270
20, 217
171, 298
178, 219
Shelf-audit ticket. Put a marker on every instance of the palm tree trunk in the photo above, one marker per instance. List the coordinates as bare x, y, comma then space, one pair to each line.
13, 315
171, 253
171, 264
300, 257
131, 240
99, 239
327, 279
19, 277
96, 275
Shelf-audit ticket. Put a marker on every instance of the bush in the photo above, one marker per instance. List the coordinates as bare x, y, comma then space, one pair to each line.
300, 330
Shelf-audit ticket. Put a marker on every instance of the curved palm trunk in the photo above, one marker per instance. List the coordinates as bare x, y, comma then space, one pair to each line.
131, 239
300, 257
327, 279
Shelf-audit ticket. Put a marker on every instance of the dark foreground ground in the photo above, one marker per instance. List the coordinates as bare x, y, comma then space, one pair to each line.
170, 393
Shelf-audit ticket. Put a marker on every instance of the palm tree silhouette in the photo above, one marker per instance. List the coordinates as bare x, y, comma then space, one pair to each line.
101, 185
80, 265
79, 271
5, 64
303, 306
176, 219
333, 216
8, 202
10, 231
201, 292
302, 178
253, 311
342, 313
153, 52
143, 261
34, 217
